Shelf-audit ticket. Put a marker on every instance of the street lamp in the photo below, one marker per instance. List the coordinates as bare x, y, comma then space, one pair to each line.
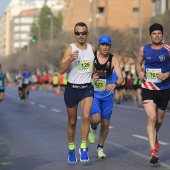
39, 28
39, 33
51, 28
94, 18
140, 20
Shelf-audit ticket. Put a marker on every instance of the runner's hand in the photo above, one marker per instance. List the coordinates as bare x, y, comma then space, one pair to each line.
162, 76
95, 77
74, 55
141, 75
110, 87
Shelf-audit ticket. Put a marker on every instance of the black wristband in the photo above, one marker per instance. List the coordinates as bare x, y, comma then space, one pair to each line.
116, 83
92, 75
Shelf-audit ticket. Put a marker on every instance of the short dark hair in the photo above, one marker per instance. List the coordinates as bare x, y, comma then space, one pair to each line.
81, 24
154, 27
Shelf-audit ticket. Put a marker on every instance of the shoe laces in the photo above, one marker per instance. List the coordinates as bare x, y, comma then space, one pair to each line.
93, 133
84, 151
71, 153
100, 150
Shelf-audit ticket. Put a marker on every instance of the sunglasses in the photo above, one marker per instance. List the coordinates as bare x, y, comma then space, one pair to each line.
82, 33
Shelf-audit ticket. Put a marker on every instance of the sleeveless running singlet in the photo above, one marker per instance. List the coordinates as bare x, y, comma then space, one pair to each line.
2, 81
27, 78
81, 69
105, 77
156, 61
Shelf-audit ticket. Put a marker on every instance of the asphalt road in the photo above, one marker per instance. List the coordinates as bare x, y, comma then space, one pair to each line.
34, 137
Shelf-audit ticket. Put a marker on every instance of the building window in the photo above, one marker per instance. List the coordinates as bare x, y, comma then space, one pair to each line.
25, 28
16, 28
101, 11
24, 36
16, 36
27, 20
135, 10
16, 45
16, 20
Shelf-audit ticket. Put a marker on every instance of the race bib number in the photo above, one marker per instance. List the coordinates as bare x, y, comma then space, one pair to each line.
151, 75
100, 85
26, 81
84, 66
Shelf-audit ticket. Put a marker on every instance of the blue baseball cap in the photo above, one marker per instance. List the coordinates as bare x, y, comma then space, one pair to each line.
105, 39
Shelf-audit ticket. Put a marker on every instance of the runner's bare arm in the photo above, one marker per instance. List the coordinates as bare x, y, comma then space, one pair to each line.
93, 49
139, 63
67, 59
116, 65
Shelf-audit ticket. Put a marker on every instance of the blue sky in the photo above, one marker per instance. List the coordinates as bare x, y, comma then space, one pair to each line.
4, 4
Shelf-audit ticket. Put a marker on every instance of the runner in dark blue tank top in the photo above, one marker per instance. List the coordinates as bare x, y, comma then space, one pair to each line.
26, 83
155, 76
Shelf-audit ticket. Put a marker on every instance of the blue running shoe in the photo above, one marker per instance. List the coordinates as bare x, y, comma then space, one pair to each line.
83, 154
72, 156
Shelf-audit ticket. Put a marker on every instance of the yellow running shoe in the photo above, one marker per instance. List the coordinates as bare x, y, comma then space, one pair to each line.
100, 153
92, 136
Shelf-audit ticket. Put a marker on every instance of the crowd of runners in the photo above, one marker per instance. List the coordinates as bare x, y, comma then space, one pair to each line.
95, 78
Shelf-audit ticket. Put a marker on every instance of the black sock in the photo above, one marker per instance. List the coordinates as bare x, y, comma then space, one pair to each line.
94, 128
99, 146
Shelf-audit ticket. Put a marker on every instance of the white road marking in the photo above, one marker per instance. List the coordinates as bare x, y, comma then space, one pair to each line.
129, 107
42, 106
133, 108
79, 117
55, 110
111, 127
145, 138
32, 102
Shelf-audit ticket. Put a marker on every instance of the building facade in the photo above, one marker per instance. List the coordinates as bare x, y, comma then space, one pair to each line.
20, 29
17, 13
107, 13
160, 6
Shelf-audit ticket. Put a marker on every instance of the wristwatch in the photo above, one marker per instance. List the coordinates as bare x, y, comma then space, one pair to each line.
168, 73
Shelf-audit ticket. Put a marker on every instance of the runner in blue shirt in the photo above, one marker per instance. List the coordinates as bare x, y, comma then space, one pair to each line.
155, 76
2, 83
104, 86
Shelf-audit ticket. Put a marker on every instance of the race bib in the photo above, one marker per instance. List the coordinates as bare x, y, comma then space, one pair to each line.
84, 66
26, 81
151, 75
100, 85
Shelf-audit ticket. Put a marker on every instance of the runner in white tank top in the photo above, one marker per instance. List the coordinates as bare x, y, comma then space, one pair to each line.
78, 61
80, 69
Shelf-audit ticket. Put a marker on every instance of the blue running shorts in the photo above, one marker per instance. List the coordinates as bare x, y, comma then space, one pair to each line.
103, 106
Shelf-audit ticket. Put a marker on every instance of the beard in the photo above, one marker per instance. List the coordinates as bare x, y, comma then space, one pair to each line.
157, 43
